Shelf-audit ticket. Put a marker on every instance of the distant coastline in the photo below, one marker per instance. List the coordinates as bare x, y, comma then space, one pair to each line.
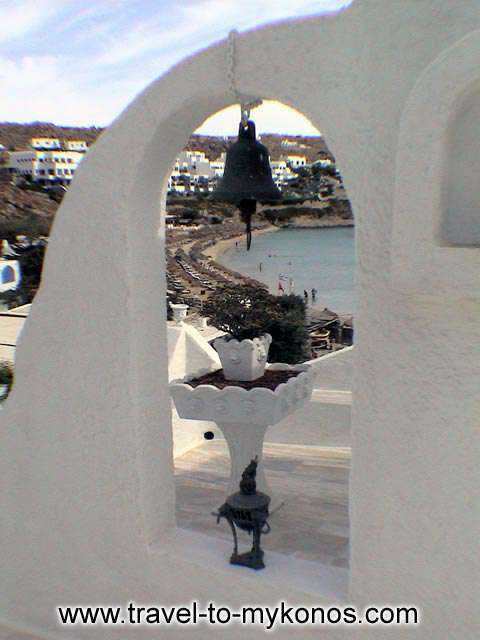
217, 250
311, 222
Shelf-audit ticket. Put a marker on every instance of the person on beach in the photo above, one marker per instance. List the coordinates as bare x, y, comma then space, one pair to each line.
314, 295
305, 296
260, 267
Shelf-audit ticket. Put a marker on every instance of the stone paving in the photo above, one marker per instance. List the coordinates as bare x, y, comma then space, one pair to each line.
313, 481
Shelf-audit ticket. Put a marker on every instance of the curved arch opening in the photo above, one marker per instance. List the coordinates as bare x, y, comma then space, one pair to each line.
303, 246
459, 220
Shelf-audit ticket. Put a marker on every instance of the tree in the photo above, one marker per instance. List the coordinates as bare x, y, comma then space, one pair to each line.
290, 338
239, 310
247, 311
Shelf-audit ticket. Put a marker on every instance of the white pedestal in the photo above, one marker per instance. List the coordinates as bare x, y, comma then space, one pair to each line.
244, 417
245, 442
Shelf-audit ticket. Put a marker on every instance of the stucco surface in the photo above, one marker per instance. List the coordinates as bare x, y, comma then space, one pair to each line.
188, 352
86, 453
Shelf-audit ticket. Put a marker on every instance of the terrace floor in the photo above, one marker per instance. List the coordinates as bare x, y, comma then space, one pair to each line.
313, 481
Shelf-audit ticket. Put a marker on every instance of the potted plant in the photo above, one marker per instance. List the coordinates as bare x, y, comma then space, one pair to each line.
248, 396
6, 379
179, 312
240, 312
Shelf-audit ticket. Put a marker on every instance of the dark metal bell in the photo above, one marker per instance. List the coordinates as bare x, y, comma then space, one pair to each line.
247, 178
247, 174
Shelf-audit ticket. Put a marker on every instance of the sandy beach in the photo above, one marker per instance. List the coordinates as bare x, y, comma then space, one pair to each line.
218, 249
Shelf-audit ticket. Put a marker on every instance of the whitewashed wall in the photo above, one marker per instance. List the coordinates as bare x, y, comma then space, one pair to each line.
188, 353
335, 370
86, 453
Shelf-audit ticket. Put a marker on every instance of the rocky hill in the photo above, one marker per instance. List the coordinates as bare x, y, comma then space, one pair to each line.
312, 147
16, 136
24, 212
27, 209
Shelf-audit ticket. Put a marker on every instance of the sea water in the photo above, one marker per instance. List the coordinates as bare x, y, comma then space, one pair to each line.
299, 260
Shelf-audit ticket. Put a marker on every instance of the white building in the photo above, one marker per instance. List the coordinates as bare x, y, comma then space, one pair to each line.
193, 168
281, 171
10, 275
45, 143
218, 165
295, 161
323, 162
195, 156
76, 145
54, 166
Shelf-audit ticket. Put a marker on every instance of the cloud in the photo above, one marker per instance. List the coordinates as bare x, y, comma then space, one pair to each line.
41, 88
22, 17
72, 62
190, 25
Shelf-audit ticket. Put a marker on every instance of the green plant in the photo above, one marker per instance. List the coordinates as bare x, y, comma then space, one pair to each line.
6, 375
247, 311
238, 310
290, 339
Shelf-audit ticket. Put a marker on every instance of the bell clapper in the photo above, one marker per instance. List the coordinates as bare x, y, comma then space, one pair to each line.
247, 209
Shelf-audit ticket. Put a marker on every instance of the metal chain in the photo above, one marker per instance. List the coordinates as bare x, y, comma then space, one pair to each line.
245, 107
231, 64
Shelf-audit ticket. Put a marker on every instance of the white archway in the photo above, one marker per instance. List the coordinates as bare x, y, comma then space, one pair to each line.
120, 185
87, 514
95, 324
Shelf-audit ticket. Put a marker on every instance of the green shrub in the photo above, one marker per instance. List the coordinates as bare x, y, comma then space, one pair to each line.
240, 311
290, 339
247, 311
6, 376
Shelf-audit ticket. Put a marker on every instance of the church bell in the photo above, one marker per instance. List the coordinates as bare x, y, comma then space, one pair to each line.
247, 178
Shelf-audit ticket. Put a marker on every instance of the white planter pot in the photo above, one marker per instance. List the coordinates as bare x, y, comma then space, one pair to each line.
3, 392
179, 312
243, 360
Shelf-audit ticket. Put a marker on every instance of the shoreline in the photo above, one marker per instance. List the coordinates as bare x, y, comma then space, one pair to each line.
216, 251
309, 224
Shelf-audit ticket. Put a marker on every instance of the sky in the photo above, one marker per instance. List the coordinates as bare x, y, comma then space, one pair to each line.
81, 62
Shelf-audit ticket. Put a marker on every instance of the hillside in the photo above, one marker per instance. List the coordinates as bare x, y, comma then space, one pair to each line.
313, 148
24, 211
17, 136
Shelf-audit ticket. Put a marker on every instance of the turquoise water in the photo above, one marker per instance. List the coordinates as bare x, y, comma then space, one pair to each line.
313, 258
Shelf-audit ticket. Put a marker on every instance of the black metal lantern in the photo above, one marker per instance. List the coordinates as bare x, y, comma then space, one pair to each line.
247, 178
248, 510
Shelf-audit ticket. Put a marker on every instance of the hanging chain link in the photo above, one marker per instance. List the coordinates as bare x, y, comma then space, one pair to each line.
231, 64
245, 107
